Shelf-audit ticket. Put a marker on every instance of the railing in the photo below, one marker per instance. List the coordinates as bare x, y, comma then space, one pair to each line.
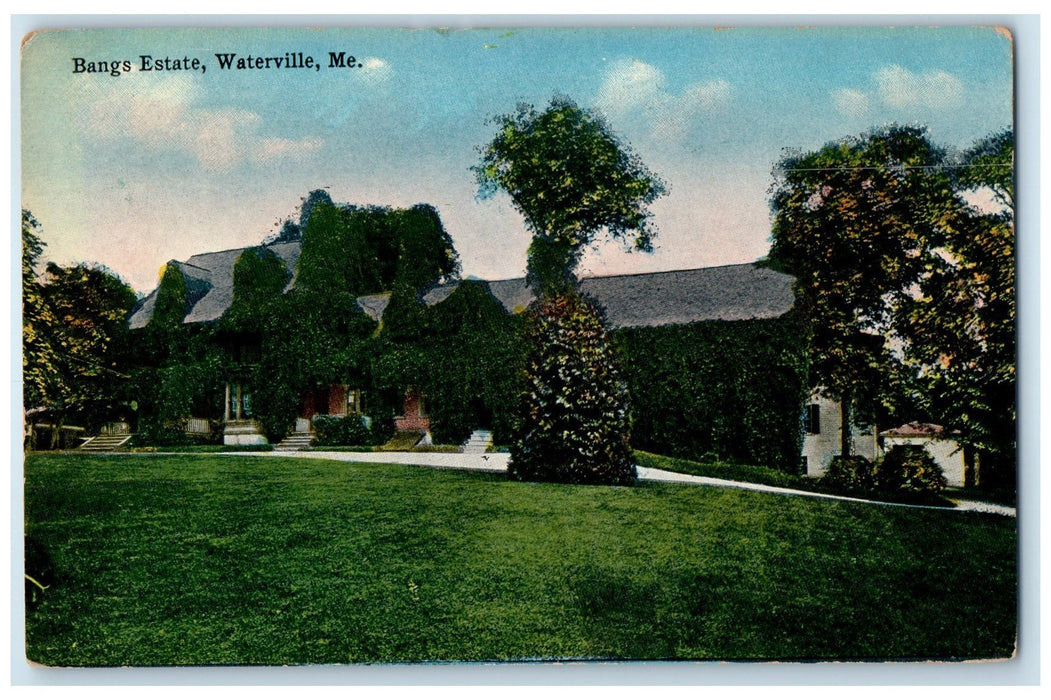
198, 426
116, 428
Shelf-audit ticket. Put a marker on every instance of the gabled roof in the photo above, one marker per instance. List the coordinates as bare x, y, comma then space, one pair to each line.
210, 283
726, 293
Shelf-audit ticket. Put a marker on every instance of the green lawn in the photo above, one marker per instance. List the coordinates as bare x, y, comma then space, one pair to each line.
205, 559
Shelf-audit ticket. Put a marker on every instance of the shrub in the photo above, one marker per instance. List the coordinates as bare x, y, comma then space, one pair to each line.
909, 468
854, 474
574, 416
342, 431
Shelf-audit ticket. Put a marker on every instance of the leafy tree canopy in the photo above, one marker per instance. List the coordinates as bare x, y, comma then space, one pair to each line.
959, 329
90, 308
571, 178
854, 221
38, 322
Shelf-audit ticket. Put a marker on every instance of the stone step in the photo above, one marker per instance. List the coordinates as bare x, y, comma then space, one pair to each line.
478, 442
105, 443
294, 442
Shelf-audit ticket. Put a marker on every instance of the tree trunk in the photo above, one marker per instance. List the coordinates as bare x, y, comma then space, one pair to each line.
845, 442
970, 474
56, 431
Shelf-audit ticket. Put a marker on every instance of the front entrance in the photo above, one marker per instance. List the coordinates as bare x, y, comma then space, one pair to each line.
414, 415
334, 400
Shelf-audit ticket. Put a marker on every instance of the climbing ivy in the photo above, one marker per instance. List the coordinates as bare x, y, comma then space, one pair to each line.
727, 390
260, 277
475, 358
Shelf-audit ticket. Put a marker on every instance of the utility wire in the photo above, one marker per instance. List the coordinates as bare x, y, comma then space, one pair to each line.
899, 167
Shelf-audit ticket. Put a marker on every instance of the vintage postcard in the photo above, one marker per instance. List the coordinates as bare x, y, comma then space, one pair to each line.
378, 345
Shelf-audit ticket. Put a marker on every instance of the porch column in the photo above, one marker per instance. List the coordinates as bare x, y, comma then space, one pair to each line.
226, 404
238, 402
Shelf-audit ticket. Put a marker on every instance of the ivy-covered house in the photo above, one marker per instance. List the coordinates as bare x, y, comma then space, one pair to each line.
361, 312
716, 358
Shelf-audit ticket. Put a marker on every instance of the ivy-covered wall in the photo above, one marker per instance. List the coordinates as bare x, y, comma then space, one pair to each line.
465, 354
177, 370
728, 390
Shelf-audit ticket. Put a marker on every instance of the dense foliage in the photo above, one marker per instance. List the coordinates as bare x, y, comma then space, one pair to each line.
370, 250
958, 332
345, 431
75, 345
280, 345
907, 469
178, 369
466, 361
574, 421
719, 390
854, 222
38, 320
852, 474
571, 178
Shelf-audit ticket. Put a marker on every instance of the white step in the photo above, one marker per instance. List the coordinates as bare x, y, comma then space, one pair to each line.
479, 442
294, 442
104, 443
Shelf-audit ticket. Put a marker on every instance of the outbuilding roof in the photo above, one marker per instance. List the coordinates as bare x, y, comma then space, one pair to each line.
915, 430
727, 293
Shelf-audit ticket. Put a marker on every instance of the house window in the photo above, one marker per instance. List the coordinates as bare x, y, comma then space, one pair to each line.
354, 402
813, 419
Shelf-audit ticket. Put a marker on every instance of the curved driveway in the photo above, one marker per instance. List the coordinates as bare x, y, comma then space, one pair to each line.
496, 462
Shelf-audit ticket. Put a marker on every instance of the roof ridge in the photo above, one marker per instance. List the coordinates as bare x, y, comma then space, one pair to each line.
667, 272
189, 264
754, 263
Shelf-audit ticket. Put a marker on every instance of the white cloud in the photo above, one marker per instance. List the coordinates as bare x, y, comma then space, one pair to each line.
851, 103
375, 70
633, 89
162, 115
271, 149
901, 88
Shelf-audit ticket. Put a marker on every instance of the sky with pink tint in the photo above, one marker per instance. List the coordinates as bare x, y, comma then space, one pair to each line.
136, 169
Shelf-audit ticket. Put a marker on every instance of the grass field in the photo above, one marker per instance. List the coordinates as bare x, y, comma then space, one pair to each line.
206, 559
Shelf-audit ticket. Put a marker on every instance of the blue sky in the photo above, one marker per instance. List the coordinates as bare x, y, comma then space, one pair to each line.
134, 170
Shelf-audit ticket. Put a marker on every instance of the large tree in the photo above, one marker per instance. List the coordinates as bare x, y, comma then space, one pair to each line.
38, 322
959, 328
571, 178
855, 221
74, 339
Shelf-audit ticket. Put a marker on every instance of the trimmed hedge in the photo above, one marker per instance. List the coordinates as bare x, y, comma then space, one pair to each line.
343, 431
574, 422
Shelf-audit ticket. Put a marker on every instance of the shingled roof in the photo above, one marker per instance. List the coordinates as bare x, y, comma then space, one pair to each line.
726, 293
211, 276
